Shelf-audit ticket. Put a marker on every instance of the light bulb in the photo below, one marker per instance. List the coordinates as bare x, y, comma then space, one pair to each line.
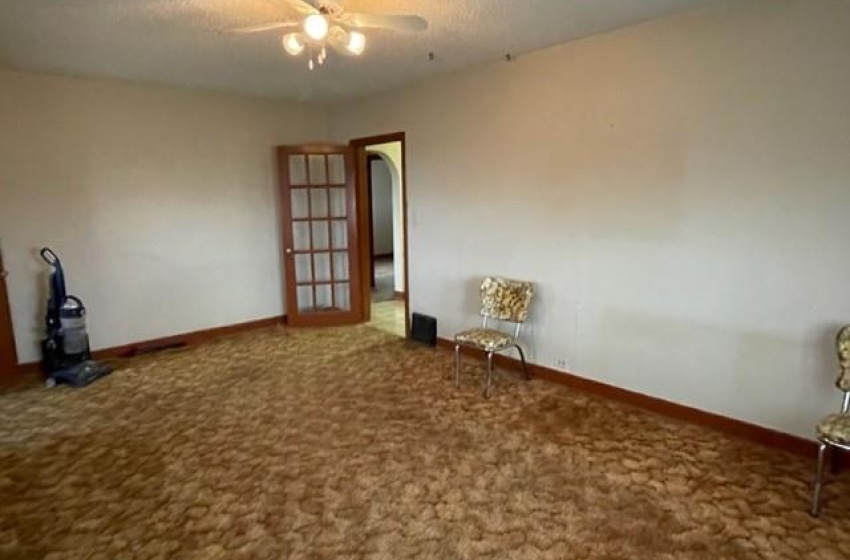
316, 26
293, 44
356, 43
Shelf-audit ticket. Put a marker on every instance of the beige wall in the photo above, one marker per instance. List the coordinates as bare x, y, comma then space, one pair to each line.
679, 192
161, 202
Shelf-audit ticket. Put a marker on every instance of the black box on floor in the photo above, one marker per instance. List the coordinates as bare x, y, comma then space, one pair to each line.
423, 328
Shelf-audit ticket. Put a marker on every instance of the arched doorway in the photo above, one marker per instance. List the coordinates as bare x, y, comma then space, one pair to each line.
382, 199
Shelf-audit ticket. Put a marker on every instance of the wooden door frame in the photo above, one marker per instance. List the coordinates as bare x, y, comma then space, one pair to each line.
370, 206
6, 317
364, 222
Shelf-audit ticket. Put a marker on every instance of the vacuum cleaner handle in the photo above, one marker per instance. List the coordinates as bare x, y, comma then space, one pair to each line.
49, 256
76, 300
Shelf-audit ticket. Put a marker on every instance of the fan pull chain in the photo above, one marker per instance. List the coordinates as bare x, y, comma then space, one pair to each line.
317, 59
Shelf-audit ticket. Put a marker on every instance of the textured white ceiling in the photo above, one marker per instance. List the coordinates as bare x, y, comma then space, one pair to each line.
177, 42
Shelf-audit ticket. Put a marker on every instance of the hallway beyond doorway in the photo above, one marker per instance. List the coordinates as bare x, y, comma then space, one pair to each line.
384, 289
388, 316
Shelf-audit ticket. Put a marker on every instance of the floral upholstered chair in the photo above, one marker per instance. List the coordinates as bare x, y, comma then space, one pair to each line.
505, 301
834, 430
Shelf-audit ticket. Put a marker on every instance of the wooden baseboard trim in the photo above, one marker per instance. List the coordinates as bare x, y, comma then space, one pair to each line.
399, 296
184, 339
731, 426
383, 256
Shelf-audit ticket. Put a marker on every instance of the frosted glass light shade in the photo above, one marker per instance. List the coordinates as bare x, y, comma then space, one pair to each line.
293, 44
356, 43
316, 27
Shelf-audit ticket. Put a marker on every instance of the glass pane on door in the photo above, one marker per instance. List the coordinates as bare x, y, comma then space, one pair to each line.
337, 202
322, 267
318, 169
342, 293
339, 234
320, 235
300, 205
319, 202
303, 271
336, 169
301, 236
297, 170
305, 298
340, 260
324, 297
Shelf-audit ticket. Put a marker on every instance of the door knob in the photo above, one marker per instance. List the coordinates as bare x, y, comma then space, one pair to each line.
289, 251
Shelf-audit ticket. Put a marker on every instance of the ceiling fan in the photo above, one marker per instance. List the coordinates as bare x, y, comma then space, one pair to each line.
322, 23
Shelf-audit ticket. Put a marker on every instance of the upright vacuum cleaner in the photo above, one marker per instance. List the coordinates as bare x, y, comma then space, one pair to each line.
65, 350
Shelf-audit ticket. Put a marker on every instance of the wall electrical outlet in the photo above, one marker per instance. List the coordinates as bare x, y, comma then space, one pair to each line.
560, 363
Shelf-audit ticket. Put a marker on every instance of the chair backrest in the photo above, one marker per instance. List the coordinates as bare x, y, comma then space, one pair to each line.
504, 299
842, 347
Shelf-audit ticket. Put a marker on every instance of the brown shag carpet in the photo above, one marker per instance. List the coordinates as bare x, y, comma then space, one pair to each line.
350, 443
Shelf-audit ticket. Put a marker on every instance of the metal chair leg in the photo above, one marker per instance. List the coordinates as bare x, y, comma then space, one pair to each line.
457, 365
818, 480
489, 374
524, 365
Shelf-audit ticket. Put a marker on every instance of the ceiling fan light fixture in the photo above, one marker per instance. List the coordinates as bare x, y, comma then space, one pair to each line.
356, 43
293, 43
316, 26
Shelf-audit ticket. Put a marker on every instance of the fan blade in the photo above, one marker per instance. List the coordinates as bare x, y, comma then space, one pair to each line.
264, 27
338, 41
385, 21
301, 6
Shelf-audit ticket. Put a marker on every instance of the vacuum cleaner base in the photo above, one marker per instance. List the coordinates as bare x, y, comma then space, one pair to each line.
79, 375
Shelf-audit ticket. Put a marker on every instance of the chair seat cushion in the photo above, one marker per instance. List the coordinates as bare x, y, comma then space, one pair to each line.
835, 427
491, 340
